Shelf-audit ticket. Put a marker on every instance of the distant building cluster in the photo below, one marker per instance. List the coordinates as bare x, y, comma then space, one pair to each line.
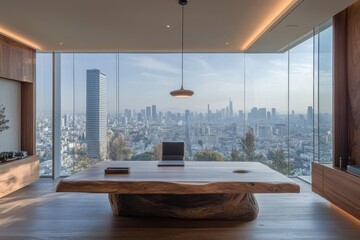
220, 130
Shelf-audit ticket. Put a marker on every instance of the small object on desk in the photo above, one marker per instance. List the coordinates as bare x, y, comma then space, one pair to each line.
117, 170
21, 154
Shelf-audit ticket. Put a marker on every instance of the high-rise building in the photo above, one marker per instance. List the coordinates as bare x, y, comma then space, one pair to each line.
273, 113
148, 113
208, 112
66, 120
268, 115
153, 112
310, 115
187, 115
253, 114
96, 114
262, 113
127, 113
231, 110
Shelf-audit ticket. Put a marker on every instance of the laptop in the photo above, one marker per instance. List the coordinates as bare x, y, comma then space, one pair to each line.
172, 154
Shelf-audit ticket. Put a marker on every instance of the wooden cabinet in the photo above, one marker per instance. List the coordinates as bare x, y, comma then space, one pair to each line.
17, 61
338, 187
17, 174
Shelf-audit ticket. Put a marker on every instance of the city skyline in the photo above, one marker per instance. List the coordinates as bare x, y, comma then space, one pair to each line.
214, 77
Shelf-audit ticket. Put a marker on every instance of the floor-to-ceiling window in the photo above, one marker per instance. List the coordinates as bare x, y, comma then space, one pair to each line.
246, 107
44, 120
88, 96
325, 94
266, 97
301, 111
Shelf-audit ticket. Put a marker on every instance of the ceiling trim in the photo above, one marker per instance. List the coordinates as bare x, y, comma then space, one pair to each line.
19, 38
274, 16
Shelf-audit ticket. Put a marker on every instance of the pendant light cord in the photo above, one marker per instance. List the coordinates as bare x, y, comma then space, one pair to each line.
182, 46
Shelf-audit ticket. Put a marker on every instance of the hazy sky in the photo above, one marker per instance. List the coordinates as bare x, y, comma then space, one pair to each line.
147, 79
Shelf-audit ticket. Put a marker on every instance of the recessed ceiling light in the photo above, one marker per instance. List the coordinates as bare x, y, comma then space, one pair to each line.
168, 26
61, 43
226, 43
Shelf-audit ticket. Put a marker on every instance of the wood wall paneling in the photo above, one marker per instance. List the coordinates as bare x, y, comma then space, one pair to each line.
340, 100
4, 59
28, 118
28, 67
353, 77
317, 178
340, 187
16, 60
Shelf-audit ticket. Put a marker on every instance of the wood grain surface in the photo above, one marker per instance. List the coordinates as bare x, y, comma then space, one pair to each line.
339, 187
242, 207
353, 68
340, 89
146, 177
17, 174
17, 61
342, 189
317, 180
28, 121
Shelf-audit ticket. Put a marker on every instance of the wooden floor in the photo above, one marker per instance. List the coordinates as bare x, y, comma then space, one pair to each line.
37, 212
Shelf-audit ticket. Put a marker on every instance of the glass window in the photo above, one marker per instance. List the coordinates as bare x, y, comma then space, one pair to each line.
210, 123
325, 95
88, 84
301, 116
44, 112
273, 108
266, 92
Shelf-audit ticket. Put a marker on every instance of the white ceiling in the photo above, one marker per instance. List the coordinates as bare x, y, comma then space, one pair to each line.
140, 25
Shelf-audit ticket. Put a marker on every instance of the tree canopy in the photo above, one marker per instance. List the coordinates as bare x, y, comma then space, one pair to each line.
208, 155
3, 120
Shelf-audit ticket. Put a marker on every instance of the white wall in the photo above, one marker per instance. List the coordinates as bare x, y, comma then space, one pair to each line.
10, 97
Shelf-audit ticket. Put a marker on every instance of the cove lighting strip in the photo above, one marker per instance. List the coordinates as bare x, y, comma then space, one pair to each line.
273, 16
19, 38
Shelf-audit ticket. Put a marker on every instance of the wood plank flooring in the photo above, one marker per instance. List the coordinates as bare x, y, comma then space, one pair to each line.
38, 212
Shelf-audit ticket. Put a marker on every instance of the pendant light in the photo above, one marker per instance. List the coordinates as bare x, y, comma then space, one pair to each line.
182, 93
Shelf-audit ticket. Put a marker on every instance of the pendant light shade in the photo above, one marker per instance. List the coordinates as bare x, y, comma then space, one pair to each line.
182, 93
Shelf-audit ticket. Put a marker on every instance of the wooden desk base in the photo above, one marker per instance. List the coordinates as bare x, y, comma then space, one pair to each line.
188, 206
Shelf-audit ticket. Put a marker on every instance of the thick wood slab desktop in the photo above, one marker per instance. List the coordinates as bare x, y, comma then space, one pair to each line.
216, 190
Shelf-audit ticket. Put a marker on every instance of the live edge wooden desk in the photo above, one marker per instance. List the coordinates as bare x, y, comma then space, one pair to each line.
200, 190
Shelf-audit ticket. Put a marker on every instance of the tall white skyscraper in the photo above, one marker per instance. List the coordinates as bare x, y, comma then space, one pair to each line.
231, 111
96, 114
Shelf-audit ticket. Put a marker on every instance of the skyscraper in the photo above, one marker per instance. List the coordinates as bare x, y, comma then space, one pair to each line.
273, 113
261, 113
148, 113
310, 115
187, 115
96, 114
153, 112
127, 113
231, 110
